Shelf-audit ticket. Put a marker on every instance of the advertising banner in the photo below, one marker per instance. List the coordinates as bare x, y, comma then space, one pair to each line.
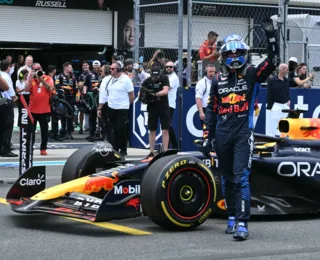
191, 127
26, 141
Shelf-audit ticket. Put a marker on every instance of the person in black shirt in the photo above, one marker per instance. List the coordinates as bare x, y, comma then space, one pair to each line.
158, 85
68, 83
278, 98
299, 77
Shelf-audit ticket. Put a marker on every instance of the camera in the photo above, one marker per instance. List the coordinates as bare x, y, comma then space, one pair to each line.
38, 74
219, 45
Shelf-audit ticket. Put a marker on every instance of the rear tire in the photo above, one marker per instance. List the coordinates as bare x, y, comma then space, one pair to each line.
178, 192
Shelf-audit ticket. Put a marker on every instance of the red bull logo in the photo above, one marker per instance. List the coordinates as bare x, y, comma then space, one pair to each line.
96, 184
234, 108
233, 99
313, 134
135, 202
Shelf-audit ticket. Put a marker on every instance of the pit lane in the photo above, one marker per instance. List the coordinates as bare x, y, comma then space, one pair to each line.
52, 237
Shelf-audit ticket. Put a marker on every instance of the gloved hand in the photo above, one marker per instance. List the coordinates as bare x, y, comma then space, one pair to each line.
268, 27
207, 147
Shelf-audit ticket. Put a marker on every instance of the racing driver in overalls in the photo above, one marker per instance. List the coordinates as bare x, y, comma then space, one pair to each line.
228, 125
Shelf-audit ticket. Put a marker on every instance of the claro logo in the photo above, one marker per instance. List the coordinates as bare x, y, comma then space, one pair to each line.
32, 182
8, 2
298, 169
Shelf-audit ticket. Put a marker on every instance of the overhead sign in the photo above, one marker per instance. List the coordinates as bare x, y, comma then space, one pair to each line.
71, 4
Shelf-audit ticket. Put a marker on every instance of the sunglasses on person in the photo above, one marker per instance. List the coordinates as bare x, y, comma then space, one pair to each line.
170, 67
113, 68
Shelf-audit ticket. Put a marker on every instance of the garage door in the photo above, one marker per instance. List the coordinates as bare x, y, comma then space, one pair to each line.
161, 30
49, 25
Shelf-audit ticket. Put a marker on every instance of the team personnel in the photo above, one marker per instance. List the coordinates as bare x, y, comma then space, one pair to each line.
91, 87
158, 85
203, 90
229, 123
40, 87
120, 93
278, 98
6, 110
81, 80
208, 49
172, 96
67, 82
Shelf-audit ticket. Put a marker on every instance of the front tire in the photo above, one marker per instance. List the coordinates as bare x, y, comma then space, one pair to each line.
178, 192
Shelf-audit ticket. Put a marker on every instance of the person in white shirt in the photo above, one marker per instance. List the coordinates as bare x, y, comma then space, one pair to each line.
172, 96
20, 89
28, 65
7, 114
203, 90
117, 90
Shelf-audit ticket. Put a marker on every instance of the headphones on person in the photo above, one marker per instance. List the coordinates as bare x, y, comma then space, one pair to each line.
120, 66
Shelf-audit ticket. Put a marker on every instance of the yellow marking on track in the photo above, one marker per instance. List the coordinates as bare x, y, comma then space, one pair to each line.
3, 201
107, 225
115, 227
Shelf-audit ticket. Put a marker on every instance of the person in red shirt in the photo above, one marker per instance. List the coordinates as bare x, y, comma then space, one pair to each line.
208, 49
40, 87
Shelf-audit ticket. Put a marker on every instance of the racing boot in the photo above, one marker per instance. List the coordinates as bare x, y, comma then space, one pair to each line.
232, 225
242, 232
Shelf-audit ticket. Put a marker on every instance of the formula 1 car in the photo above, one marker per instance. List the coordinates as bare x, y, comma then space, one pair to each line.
176, 190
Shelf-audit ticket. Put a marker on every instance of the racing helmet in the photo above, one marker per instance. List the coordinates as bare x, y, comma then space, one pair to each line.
234, 52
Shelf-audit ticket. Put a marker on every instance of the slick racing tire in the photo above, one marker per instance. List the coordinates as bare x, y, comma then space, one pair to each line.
87, 160
178, 192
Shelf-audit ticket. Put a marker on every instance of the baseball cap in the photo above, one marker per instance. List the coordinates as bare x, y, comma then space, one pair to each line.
294, 59
155, 71
96, 63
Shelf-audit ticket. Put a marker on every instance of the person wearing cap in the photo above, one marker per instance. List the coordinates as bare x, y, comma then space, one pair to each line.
208, 49
140, 75
172, 96
91, 87
117, 90
159, 109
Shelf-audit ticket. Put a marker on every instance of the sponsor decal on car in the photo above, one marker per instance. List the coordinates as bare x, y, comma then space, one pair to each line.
32, 182
261, 208
302, 149
221, 204
211, 162
205, 215
298, 169
97, 183
135, 202
124, 190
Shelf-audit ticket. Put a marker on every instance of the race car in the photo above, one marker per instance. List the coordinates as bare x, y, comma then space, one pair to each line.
176, 190
294, 127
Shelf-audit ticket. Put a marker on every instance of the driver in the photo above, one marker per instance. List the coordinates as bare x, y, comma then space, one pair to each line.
228, 123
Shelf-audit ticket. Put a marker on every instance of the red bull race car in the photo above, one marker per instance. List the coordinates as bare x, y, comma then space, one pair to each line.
176, 190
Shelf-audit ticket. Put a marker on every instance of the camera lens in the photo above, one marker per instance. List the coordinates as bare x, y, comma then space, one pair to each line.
39, 73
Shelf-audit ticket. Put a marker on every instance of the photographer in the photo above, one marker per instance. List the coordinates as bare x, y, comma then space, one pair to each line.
67, 82
40, 87
154, 93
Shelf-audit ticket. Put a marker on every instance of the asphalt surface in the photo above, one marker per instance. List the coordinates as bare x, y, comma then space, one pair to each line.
46, 237
52, 237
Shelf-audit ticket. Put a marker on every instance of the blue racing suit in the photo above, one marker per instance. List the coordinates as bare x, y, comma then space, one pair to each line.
229, 122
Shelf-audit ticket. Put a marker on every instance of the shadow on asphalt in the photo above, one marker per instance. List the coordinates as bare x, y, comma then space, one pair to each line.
60, 225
